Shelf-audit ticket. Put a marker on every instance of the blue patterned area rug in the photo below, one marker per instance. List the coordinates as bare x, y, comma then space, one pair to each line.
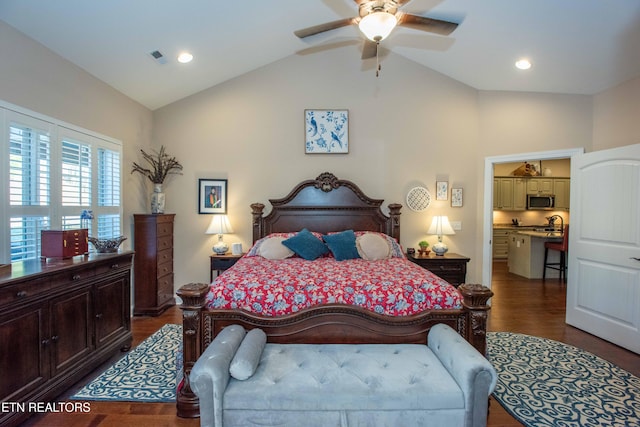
145, 374
547, 383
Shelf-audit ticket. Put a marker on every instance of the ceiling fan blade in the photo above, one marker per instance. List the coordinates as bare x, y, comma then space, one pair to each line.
317, 29
436, 26
369, 49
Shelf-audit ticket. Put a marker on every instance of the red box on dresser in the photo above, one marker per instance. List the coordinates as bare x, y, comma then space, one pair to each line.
64, 243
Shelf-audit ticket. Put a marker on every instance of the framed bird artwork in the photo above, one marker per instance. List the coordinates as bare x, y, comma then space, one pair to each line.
326, 131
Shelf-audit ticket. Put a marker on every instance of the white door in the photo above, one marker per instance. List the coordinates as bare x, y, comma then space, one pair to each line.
603, 290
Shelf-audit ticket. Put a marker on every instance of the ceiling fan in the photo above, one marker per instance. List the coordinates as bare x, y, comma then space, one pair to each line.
377, 19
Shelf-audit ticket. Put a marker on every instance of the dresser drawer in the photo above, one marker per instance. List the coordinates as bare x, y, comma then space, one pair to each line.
165, 255
21, 291
445, 268
165, 243
164, 269
116, 264
164, 229
165, 289
69, 277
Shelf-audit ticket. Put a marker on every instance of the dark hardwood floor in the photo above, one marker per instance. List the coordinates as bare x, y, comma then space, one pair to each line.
530, 307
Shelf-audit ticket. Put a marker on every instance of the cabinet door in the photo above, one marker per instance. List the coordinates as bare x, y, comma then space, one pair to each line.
540, 186
111, 308
519, 194
71, 329
506, 193
24, 359
561, 188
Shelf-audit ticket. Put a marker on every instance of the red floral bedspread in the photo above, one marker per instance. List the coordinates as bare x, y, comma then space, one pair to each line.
394, 287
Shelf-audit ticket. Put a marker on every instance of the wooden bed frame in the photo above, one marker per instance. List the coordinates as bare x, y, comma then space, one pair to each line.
323, 204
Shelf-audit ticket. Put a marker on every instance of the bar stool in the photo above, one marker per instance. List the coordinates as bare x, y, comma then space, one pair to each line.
561, 247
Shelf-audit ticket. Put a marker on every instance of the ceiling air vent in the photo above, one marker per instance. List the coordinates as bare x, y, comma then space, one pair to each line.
158, 57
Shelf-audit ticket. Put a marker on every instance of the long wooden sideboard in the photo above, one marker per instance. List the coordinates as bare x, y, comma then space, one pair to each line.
59, 320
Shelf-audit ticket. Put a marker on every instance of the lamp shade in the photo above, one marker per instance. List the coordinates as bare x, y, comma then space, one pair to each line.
440, 226
377, 26
219, 225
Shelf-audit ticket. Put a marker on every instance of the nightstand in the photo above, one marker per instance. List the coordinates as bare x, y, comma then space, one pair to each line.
451, 267
220, 263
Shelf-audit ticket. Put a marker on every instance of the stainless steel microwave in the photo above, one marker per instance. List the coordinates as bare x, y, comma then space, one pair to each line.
541, 202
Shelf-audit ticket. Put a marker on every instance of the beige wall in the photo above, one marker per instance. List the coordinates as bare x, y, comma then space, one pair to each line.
616, 116
39, 80
407, 127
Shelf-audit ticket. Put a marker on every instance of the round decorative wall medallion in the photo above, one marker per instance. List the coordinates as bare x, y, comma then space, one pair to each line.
418, 199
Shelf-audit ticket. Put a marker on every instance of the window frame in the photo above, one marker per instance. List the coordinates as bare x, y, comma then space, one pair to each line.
58, 131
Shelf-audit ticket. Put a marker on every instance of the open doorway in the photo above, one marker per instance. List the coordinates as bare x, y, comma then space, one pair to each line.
490, 163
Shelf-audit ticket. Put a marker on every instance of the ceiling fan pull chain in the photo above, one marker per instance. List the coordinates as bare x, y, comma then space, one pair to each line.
378, 66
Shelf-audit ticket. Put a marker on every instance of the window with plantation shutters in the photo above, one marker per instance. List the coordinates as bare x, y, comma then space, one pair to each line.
55, 172
76, 174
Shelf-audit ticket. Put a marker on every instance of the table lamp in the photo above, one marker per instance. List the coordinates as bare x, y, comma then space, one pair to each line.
220, 225
440, 226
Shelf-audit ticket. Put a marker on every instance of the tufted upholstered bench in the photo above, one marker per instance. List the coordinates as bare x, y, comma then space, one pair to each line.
446, 383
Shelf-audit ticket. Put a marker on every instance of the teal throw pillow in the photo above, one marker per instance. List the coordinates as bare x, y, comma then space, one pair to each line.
306, 245
342, 245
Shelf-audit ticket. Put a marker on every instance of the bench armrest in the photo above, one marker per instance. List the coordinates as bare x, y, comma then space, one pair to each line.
472, 371
210, 374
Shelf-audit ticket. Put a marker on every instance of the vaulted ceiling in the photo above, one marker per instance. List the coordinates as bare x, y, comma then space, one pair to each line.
576, 46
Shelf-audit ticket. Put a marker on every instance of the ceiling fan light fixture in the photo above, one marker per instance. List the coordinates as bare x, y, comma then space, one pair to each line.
377, 26
523, 64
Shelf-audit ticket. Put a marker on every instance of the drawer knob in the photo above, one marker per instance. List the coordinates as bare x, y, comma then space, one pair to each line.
21, 294
115, 266
99, 316
76, 277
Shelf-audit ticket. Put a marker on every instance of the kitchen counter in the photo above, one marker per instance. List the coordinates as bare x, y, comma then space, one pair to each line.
526, 252
547, 235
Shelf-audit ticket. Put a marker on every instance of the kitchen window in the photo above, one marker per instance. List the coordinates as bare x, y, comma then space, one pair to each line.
55, 172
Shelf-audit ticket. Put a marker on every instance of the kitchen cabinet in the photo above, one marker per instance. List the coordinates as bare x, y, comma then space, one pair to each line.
509, 194
562, 190
501, 243
60, 320
539, 185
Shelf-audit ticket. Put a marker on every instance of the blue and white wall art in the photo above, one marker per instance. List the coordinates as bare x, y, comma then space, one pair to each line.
326, 131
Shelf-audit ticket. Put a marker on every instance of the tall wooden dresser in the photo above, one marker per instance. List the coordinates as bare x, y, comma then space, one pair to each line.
153, 264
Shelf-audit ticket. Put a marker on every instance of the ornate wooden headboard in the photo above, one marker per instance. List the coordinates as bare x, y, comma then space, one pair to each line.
326, 204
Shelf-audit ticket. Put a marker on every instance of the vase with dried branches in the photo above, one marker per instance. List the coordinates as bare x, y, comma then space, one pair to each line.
160, 166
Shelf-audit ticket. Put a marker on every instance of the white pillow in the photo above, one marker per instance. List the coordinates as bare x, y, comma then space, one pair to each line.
272, 248
373, 247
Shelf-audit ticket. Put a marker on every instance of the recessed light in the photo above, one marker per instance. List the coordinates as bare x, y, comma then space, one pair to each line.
523, 64
185, 57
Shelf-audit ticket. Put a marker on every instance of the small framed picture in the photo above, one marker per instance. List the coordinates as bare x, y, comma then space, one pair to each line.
442, 190
212, 196
326, 131
456, 197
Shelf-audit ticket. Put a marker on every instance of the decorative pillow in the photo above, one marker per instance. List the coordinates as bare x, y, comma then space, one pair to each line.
272, 248
306, 245
258, 243
396, 249
373, 247
246, 360
342, 245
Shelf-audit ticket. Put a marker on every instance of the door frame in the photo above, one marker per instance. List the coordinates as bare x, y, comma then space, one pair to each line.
487, 224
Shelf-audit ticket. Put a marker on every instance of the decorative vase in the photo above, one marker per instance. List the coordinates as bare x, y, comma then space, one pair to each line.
157, 199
